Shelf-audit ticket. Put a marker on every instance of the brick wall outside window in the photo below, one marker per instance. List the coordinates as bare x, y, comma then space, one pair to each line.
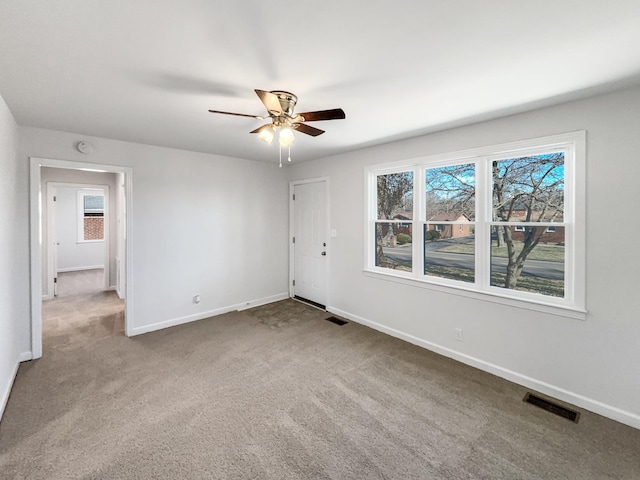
94, 228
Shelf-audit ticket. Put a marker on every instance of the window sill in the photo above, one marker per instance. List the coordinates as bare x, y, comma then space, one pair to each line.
543, 307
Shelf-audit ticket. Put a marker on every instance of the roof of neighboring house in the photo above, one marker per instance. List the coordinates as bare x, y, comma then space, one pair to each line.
448, 217
403, 215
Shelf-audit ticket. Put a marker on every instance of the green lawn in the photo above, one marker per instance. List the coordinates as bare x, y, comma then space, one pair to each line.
544, 286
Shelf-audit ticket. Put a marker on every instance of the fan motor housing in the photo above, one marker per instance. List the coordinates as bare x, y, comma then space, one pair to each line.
287, 101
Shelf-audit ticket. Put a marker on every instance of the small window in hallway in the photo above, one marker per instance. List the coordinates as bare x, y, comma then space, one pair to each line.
92, 215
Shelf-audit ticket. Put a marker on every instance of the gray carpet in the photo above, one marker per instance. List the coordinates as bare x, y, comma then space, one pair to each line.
277, 392
80, 282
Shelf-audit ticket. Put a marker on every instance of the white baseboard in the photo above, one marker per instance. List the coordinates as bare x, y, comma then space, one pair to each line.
7, 391
4, 399
609, 411
210, 313
263, 301
79, 269
25, 357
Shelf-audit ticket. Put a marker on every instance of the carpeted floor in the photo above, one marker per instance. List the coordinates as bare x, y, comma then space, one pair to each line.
278, 392
80, 282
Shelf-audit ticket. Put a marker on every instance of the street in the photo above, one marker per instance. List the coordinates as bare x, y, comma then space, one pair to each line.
532, 268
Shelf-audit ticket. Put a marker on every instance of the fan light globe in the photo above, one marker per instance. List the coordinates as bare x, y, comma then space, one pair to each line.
266, 135
285, 136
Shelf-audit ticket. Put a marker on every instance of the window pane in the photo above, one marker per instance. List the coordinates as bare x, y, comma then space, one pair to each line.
450, 193
93, 205
529, 189
395, 196
393, 245
450, 252
529, 259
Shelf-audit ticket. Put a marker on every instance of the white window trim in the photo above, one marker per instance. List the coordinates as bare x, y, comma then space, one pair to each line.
574, 304
83, 192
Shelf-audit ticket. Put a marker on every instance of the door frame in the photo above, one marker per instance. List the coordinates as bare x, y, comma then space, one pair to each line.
35, 223
292, 186
51, 230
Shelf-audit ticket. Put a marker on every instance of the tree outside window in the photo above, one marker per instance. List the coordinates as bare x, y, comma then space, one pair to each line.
393, 228
526, 191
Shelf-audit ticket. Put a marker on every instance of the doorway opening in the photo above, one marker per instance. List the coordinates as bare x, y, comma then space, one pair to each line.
76, 232
79, 262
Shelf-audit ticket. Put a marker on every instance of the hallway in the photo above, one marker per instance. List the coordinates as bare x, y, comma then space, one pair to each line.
82, 308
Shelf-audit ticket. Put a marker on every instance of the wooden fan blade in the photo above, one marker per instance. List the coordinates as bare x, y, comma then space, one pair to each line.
271, 102
238, 114
333, 114
259, 129
308, 129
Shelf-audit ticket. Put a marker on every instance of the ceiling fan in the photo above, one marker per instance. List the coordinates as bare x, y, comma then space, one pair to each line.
280, 105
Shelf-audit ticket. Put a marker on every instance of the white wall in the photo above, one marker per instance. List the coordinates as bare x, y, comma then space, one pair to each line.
63, 175
593, 363
74, 255
202, 224
14, 259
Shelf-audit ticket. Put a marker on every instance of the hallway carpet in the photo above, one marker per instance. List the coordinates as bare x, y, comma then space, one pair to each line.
278, 392
80, 282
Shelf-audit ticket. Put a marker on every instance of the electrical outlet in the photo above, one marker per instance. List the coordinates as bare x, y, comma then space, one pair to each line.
459, 334
196, 299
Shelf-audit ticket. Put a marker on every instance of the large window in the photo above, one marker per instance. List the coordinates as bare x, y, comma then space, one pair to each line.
503, 221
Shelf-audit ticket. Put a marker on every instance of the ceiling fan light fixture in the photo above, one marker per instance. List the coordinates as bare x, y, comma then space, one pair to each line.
285, 136
280, 105
266, 134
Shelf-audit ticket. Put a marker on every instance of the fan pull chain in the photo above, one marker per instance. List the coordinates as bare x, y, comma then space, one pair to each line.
289, 159
280, 150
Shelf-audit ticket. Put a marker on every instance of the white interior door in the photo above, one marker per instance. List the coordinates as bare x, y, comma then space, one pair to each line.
51, 247
310, 242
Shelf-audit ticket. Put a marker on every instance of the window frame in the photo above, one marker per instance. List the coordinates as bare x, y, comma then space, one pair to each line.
572, 304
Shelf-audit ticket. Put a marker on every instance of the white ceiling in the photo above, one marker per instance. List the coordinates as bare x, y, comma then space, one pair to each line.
147, 71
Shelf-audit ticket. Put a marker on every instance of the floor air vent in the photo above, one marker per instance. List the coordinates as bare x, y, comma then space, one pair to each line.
552, 407
336, 320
